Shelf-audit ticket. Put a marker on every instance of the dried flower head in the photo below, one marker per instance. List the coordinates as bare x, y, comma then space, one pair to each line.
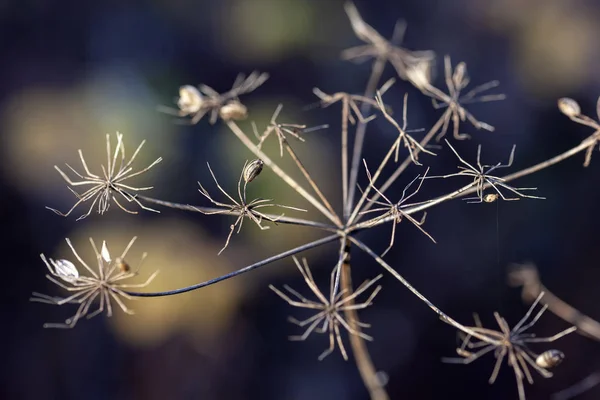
512, 343
103, 188
456, 81
240, 208
197, 102
328, 317
395, 210
282, 129
104, 285
481, 177
379, 48
404, 139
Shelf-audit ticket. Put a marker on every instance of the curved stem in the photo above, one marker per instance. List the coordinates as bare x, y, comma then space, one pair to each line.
249, 268
223, 211
447, 319
281, 173
362, 357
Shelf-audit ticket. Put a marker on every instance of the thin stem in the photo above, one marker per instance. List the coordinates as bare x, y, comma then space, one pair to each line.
362, 357
278, 218
312, 183
554, 160
447, 319
434, 129
505, 179
281, 173
345, 112
361, 128
249, 268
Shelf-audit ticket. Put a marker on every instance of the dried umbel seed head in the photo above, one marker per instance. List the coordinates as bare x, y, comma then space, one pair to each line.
252, 170
190, 99
490, 197
569, 107
550, 358
234, 110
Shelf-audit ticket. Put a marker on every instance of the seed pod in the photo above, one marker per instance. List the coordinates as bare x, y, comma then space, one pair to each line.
234, 110
550, 358
104, 252
66, 270
569, 107
460, 77
253, 169
190, 99
122, 264
490, 197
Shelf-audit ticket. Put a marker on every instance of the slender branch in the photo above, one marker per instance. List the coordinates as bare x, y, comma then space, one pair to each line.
361, 128
281, 173
471, 188
590, 141
447, 319
528, 277
226, 211
396, 174
362, 357
345, 112
426, 139
304, 247
312, 183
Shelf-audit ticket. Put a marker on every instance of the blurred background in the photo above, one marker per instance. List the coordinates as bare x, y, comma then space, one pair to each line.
73, 71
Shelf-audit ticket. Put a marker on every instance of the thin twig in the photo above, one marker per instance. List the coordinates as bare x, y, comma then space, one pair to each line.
447, 319
309, 178
281, 173
266, 261
430, 135
223, 211
361, 129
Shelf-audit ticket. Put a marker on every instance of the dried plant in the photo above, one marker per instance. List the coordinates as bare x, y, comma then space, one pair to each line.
344, 223
281, 130
394, 210
241, 207
103, 188
379, 48
513, 344
328, 318
197, 102
104, 285
456, 81
403, 137
481, 177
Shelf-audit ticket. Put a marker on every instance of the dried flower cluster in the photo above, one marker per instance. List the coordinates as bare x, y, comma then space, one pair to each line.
335, 311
